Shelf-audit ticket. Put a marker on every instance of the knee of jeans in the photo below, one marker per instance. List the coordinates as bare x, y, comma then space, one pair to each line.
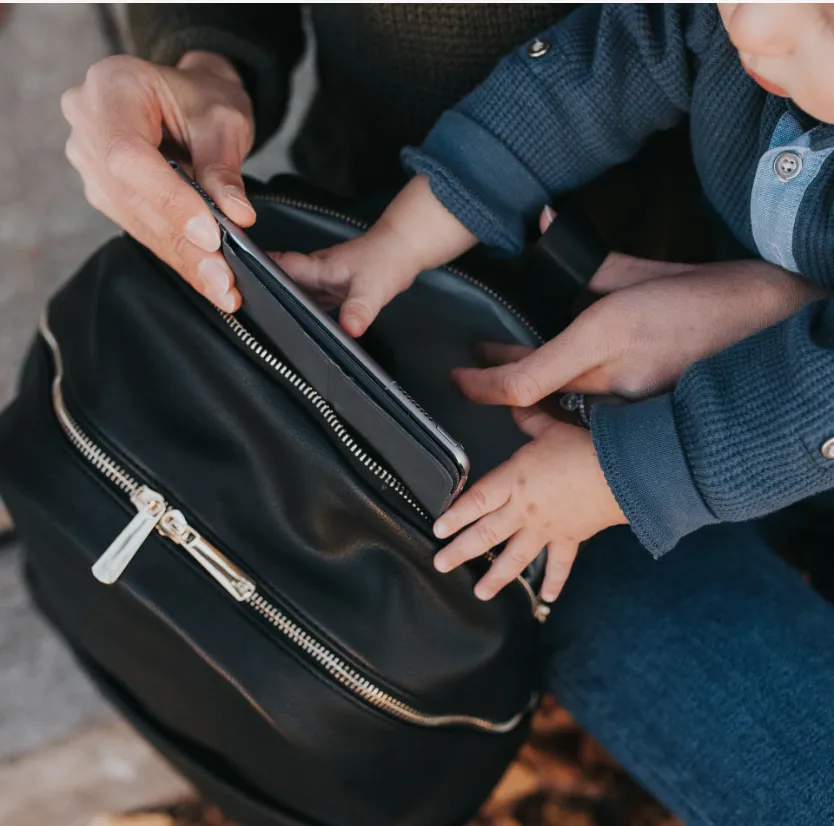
604, 588
620, 601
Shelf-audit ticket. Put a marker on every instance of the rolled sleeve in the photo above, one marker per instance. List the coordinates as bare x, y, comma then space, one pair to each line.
646, 467
495, 207
544, 123
747, 432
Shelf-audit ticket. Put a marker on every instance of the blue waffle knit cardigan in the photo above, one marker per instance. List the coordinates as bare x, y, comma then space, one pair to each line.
741, 435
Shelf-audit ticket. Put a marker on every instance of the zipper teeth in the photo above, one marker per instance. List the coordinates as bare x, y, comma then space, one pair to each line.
363, 225
327, 413
80, 440
253, 344
337, 668
119, 476
361, 687
332, 420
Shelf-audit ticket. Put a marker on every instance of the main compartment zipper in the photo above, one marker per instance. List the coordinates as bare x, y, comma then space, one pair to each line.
328, 415
154, 513
540, 609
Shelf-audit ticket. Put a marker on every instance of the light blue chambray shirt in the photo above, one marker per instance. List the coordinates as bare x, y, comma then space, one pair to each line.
784, 173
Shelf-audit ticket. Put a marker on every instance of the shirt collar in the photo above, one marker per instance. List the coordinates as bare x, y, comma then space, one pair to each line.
822, 134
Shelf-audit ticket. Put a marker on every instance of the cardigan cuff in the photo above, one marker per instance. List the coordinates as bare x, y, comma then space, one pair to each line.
479, 180
644, 463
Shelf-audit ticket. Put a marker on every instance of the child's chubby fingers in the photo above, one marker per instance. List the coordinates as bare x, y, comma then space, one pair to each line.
532, 421
485, 496
521, 550
369, 293
358, 313
488, 532
560, 557
366, 273
316, 273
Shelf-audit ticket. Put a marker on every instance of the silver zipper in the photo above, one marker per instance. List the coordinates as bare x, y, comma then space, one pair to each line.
540, 609
174, 525
88, 449
330, 417
154, 513
360, 686
150, 508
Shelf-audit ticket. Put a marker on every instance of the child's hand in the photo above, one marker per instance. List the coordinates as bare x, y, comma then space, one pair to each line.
552, 493
415, 233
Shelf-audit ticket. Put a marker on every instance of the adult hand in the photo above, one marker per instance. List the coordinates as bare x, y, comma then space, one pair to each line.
638, 340
119, 117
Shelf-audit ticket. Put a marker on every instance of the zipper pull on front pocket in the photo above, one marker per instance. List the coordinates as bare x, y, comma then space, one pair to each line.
150, 507
175, 526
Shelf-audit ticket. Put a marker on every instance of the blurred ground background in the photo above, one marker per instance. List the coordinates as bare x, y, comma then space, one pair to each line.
64, 758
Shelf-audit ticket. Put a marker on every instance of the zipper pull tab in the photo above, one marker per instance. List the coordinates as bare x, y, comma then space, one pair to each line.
175, 526
150, 507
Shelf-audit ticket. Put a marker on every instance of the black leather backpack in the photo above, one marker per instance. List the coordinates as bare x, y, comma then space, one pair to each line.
281, 636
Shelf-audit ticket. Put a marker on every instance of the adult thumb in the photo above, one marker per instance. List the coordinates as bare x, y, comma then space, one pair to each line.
530, 379
218, 147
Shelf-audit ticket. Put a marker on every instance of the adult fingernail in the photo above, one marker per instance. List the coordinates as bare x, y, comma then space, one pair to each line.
202, 231
441, 530
549, 214
548, 597
483, 592
441, 564
353, 325
238, 195
225, 302
216, 276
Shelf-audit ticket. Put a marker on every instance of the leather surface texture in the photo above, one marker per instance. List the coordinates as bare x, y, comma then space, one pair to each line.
158, 380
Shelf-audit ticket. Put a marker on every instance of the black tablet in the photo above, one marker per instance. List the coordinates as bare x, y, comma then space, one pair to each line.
421, 453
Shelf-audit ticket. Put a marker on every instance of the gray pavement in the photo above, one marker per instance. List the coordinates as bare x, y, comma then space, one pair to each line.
46, 231
104, 768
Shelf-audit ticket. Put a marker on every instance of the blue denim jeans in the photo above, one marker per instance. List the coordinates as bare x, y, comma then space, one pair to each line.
709, 674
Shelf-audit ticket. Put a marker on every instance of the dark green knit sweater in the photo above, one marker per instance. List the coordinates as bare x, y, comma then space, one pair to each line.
386, 71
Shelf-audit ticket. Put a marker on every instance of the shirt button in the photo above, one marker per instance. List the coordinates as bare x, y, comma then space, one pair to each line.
787, 165
538, 48
827, 449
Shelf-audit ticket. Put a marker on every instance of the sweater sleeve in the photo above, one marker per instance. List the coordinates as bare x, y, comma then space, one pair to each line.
264, 41
542, 125
743, 435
